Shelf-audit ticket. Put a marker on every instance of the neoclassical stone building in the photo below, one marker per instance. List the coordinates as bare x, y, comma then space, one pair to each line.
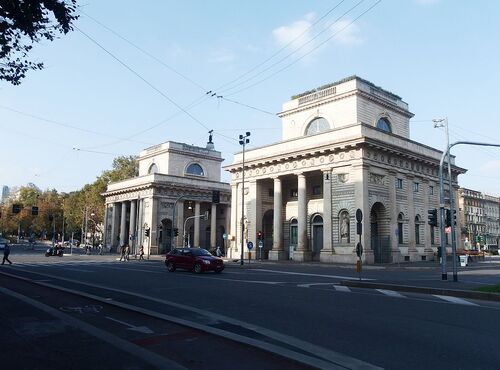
345, 146
171, 176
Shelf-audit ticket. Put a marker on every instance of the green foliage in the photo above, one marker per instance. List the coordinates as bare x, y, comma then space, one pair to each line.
490, 288
23, 23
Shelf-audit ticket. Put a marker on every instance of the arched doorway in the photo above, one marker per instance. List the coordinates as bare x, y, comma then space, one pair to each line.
380, 233
317, 236
165, 236
268, 234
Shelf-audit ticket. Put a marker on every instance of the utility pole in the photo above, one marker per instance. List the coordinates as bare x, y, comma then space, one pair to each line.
243, 141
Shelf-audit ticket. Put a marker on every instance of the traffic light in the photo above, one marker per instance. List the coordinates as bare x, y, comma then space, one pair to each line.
259, 235
432, 217
447, 220
455, 217
146, 232
16, 208
34, 211
215, 196
176, 231
478, 239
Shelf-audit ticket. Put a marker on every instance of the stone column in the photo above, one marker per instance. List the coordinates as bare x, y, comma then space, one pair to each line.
196, 241
361, 174
412, 248
132, 231
393, 211
153, 232
278, 251
179, 221
114, 230
233, 231
326, 254
302, 253
106, 223
140, 221
213, 226
227, 224
123, 220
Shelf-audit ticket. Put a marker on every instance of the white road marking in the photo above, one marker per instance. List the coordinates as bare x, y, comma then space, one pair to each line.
312, 284
341, 288
390, 293
306, 274
455, 300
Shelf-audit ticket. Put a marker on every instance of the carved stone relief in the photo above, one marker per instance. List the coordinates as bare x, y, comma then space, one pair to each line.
343, 177
376, 178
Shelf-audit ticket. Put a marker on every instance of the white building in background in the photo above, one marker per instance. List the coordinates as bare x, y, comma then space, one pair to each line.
5, 194
345, 147
175, 187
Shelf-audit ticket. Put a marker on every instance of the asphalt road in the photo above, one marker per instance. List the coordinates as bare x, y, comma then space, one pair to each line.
298, 310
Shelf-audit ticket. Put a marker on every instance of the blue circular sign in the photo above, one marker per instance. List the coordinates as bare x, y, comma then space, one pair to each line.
249, 245
224, 236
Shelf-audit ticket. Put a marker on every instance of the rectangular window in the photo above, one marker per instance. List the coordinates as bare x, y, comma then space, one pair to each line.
316, 190
431, 190
433, 239
400, 233
416, 186
294, 193
399, 183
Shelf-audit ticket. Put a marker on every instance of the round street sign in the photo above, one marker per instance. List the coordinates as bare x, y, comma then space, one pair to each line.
359, 215
250, 245
261, 244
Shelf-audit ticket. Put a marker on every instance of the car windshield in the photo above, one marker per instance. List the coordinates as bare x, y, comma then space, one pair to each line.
200, 252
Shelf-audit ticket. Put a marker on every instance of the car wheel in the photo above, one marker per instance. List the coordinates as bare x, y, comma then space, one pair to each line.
170, 267
47, 254
218, 271
198, 268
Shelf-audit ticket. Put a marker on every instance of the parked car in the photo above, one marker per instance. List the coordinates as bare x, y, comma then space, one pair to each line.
195, 259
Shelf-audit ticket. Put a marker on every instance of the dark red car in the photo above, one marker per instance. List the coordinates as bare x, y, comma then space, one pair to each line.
196, 259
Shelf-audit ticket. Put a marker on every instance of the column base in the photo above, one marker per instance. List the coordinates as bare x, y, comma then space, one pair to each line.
414, 256
396, 256
277, 255
327, 256
302, 256
429, 254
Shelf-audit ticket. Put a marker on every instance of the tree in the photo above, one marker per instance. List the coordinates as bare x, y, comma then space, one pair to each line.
25, 22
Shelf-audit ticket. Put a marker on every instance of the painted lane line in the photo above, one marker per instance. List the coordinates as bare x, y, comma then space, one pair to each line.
334, 358
455, 300
140, 329
341, 288
317, 275
123, 345
390, 293
312, 284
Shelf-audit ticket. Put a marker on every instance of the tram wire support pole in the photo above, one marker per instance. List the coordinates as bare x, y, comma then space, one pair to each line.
441, 194
243, 141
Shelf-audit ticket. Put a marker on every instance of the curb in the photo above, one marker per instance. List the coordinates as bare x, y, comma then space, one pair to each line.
486, 296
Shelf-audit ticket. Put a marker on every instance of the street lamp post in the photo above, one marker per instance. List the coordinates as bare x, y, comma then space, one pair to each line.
243, 141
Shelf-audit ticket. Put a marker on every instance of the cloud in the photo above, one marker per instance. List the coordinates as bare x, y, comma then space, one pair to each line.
221, 56
346, 33
307, 38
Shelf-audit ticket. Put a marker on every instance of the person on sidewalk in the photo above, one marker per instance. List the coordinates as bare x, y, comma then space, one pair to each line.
6, 253
127, 252
122, 252
141, 253
218, 252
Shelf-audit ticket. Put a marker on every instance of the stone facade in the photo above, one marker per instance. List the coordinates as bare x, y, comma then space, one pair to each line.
172, 192
344, 148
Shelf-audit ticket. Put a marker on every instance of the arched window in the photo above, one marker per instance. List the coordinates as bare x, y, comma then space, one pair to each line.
195, 169
417, 229
384, 124
400, 229
153, 169
317, 125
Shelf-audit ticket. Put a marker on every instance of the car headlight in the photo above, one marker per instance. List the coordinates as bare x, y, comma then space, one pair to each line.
206, 262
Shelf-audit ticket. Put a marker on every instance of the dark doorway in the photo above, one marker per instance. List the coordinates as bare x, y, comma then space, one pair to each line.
317, 237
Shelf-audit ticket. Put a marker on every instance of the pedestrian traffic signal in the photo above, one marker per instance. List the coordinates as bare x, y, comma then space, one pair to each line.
259, 235
16, 208
447, 220
146, 232
432, 217
176, 231
215, 196
34, 211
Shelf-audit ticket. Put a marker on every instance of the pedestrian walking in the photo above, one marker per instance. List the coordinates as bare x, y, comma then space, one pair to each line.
100, 249
141, 253
122, 252
6, 253
127, 252
218, 252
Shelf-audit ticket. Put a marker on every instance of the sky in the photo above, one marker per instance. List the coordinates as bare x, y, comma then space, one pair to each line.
135, 74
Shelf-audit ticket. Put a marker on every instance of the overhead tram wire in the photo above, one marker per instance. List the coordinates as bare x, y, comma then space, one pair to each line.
296, 50
221, 87
143, 79
306, 54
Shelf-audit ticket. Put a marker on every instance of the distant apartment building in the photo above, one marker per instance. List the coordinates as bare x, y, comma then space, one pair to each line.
5, 194
479, 216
